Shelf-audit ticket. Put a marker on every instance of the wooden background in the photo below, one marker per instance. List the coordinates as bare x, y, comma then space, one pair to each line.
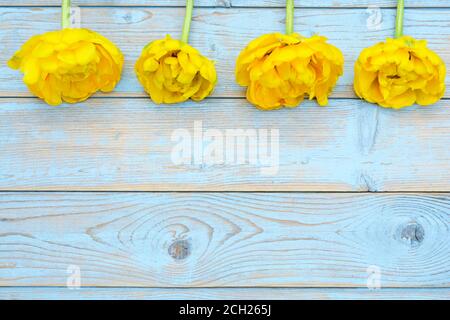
93, 184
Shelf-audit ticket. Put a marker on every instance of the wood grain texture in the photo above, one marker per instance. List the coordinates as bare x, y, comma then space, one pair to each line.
179, 245
220, 34
224, 239
223, 294
232, 3
118, 145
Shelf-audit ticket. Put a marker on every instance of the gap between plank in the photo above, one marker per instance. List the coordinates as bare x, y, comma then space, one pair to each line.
220, 7
207, 98
437, 192
231, 288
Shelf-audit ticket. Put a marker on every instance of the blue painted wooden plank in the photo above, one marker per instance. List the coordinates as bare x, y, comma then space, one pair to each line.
34, 293
118, 144
235, 3
225, 239
220, 34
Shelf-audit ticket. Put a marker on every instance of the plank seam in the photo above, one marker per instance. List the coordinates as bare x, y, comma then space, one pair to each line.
207, 98
224, 287
436, 192
223, 7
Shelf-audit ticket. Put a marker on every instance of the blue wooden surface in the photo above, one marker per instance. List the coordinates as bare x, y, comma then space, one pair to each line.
225, 239
118, 145
277, 243
220, 34
237, 3
222, 294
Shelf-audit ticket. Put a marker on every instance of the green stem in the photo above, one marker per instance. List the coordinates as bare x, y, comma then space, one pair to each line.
289, 16
187, 21
65, 18
399, 20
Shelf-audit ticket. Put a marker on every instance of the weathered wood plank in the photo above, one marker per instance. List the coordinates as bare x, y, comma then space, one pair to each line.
118, 144
220, 34
26, 293
233, 3
225, 239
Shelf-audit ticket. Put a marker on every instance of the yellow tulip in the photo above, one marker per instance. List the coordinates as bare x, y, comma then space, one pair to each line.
68, 65
280, 70
400, 72
172, 71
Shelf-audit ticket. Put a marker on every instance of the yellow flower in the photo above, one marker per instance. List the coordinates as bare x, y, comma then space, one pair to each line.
68, 65
279, 70
172, 71
398, 73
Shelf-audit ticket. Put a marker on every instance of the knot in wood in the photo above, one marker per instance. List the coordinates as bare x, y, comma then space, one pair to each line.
180, 249
224, 3
413, 233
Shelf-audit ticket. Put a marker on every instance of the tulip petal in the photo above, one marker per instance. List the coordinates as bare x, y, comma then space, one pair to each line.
68, 65
278, 70
173, 72
398, 73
